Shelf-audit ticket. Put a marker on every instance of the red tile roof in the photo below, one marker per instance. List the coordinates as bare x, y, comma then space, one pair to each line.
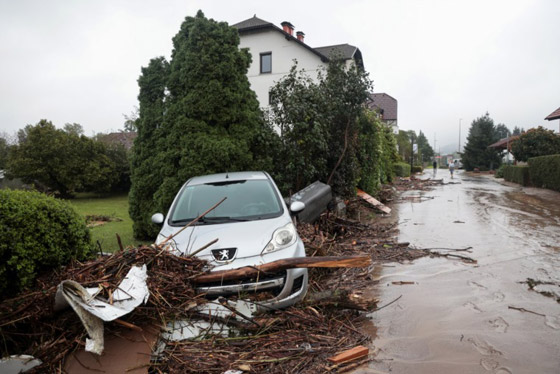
386, 104
504, 143
554, 115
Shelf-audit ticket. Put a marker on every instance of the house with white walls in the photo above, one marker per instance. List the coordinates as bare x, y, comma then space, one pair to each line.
386, 108
274, 50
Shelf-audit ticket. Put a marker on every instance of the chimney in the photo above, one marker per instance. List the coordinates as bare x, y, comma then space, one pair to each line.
288, 27
300, 36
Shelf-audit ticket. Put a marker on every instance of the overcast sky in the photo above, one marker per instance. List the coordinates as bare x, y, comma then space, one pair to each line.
445, 61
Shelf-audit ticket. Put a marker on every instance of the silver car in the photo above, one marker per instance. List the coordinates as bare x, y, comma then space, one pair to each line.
253, 227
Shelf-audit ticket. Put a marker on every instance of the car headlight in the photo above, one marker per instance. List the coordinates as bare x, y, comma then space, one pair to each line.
283, 237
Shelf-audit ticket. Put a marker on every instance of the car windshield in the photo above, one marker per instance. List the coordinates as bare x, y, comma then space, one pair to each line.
247, 200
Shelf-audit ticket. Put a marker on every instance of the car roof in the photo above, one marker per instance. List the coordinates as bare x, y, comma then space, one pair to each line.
223, 177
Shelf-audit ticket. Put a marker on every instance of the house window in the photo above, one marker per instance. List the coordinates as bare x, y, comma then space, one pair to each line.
266, 62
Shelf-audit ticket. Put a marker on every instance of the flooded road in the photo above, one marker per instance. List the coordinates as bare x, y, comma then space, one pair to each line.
455, 317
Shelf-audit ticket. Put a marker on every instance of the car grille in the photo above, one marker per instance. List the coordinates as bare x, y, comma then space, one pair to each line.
270, 282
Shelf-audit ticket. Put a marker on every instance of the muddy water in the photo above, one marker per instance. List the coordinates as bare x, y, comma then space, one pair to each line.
458, 317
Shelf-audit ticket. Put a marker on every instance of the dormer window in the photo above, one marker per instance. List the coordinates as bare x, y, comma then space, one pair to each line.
266, 62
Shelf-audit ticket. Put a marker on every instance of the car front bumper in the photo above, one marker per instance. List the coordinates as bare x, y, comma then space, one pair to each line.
286, 287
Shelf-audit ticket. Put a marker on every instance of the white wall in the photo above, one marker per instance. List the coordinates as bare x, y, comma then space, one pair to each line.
283, 51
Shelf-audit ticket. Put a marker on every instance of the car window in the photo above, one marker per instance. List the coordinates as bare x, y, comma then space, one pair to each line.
246, 200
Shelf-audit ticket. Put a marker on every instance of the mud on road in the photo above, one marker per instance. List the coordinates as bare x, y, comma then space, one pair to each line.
499, 315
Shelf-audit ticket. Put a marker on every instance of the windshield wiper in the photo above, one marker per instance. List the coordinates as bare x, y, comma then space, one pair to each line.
183, 220
210, 220
223, 219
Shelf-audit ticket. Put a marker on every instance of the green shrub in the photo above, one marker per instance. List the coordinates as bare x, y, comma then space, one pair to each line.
545, 171
37, 233
401, 169
417, 169
517, 174
500, 172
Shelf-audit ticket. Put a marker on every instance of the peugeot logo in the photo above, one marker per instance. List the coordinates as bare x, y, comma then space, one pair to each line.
224, 254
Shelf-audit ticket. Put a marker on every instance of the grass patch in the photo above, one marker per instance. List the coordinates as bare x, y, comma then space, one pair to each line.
114, 211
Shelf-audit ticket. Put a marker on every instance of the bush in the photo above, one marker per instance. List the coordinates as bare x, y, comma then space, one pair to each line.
500, 172
517, 174
535, 143
376, 152
417, 169
401, 169
37, 233
544, 171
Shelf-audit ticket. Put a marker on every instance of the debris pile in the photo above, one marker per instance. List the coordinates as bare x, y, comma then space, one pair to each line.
290, 341
299, 339
318, 335
29, 324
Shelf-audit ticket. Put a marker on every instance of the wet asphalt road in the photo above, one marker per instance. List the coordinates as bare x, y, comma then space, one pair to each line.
461, 318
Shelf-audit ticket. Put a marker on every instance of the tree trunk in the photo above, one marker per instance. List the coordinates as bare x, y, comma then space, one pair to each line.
289, 263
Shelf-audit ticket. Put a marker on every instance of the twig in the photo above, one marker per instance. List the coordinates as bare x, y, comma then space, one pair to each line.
464, 258
192, 222
381, 307
119, 241
202, 248
526, 310
128, 325
447, 249
225, 304
342, 154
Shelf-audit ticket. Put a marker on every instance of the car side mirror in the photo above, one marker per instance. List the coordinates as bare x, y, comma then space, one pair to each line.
296, 207
158, 218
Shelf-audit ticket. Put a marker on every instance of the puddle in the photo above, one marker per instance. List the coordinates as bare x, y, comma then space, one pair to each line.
454, 316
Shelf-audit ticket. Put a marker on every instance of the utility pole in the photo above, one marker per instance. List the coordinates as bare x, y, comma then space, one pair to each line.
459, 151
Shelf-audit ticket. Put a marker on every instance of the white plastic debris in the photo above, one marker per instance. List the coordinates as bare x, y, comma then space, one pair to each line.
93, 310
18, 364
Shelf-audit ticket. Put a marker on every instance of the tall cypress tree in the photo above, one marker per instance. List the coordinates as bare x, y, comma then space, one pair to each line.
145, 177
203, 119
476, 153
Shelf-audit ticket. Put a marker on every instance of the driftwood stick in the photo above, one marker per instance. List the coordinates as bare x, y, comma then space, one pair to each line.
225, 304
128, 325
526, 310
120, 242
381, 307
466, 249
289, 263
202, 248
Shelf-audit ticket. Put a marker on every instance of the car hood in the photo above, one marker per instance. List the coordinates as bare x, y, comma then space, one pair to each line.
249, 238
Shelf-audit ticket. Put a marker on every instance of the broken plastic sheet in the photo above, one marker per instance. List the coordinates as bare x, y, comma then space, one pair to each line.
18, 364
195, 329
93, 310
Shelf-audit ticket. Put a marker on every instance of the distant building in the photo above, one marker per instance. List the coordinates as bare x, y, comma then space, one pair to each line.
274, 50
387, 107
115, 138
554, 115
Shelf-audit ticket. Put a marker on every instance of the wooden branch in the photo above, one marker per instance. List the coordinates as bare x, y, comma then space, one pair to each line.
191, 222
342, 154
288, 263
350, 354
202, 248
341, 299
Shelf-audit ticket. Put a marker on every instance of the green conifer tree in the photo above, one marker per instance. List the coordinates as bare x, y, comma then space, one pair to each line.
199, 117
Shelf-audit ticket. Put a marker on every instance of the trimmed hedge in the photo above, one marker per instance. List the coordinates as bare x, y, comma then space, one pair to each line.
417, 169
401, 169
38, 233
544, 171
517, 174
